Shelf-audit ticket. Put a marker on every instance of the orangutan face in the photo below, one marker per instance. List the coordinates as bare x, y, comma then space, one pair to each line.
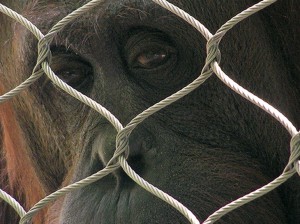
205, 150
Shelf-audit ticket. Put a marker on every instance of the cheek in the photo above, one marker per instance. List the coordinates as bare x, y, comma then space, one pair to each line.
21, 171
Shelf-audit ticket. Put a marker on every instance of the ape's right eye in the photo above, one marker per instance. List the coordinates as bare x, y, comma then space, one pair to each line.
72, 69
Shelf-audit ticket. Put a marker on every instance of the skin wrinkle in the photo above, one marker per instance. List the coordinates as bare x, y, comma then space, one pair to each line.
229, 146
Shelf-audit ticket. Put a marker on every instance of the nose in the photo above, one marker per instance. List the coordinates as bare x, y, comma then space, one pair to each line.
141, 142
141, 148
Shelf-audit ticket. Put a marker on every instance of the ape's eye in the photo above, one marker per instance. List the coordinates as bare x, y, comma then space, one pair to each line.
148, 51
72, 69
75, 74
151, 59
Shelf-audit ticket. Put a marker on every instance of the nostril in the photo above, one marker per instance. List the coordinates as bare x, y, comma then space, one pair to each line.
141, 150
141, 141
137, 163
136, 159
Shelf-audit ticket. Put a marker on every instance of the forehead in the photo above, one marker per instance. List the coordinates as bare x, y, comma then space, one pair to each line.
46, 13
102, 18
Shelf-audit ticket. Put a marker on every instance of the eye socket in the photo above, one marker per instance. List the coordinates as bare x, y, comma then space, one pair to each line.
75, 74
149, 51
72, 69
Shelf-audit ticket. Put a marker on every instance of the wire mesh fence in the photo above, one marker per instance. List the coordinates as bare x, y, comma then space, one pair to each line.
119, 158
